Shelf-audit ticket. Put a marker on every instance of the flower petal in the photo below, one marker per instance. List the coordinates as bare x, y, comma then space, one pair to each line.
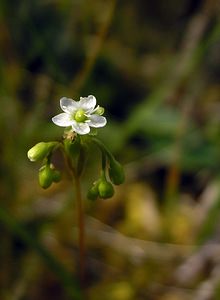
81, 128
96, 121
62, 120
68, 105
87, 103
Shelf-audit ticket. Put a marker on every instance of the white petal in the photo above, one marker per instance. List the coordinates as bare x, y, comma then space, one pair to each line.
62, 120
96, 121
87, 103
81, 128
68, 105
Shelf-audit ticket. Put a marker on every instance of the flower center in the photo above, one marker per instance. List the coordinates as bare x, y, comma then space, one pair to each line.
79, 116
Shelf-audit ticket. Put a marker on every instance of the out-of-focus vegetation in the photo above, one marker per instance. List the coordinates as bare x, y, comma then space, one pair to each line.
155, 67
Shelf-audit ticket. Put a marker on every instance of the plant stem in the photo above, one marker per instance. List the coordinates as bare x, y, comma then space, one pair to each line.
103, 148
81, 228
76, 168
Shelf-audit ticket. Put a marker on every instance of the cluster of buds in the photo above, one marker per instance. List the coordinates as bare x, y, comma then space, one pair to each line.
103, 188
47, 173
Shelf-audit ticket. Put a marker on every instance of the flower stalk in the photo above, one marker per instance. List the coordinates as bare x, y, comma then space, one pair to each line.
81, 228
76, 172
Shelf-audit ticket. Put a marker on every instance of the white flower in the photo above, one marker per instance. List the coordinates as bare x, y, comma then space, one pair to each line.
81, 115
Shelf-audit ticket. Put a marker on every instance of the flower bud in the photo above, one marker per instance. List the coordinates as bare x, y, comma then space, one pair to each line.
56, 175
105, 189
45, 176
116, 172
93, 192
40, 150
100, 110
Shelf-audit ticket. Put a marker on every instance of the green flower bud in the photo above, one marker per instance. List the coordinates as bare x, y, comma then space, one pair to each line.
56, 175
100, 110
116, 172
45, 176
105, 189
40, 150
93, 192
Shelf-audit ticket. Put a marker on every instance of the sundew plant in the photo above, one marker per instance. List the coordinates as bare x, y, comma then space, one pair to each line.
80, 120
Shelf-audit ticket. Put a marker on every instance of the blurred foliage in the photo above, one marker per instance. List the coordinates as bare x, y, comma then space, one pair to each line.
155, 67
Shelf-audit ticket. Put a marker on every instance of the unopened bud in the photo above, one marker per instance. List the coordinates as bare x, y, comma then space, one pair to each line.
45, 176
93, 192
116, 172
40, 150
105, 189
100, 110
56, 175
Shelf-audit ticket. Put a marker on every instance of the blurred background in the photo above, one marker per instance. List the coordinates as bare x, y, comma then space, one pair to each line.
155, 67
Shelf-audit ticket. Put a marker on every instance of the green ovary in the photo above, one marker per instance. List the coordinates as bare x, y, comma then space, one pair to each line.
79, 116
